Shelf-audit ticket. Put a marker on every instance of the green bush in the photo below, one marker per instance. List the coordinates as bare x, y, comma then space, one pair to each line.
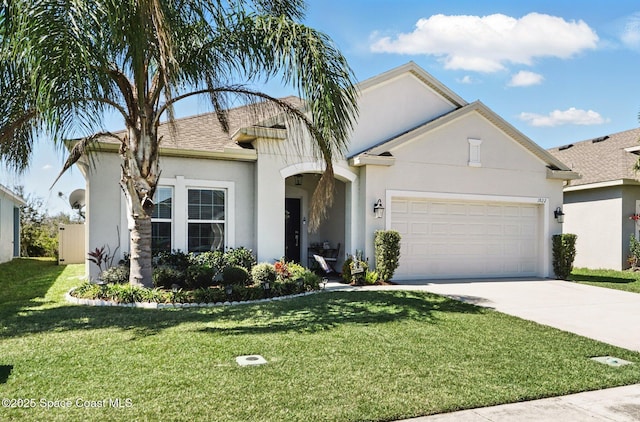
311, 280
211, 259
177, 260
357, 278
634, 251
263, 273
346, 270
387, 252
118, 274
240, 257
165, 277
209, 295
235, 276
371, 277
199, 276
564, 252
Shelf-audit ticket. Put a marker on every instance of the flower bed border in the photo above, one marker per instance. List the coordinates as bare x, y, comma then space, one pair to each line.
175, 305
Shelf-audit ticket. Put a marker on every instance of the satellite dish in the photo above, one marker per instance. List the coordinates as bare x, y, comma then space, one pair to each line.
76, 199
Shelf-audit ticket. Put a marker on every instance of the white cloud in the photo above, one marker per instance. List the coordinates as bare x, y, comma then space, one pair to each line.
47, 167
466, 80
526, 78
487, 43
571, 116
630, 35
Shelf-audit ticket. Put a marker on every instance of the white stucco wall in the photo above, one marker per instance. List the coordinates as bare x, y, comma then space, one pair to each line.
392, 107
438, 162
106, 210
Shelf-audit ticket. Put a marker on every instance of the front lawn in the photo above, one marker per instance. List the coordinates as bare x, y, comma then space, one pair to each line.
332, 357
621, 280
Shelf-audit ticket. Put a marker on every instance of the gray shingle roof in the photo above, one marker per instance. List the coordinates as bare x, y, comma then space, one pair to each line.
601, 159
203, 132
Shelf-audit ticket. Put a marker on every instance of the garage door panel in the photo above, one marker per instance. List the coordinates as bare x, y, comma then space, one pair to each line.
449, 239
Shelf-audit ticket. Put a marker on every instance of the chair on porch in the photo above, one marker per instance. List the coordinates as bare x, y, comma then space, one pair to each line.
332, 257
323, 264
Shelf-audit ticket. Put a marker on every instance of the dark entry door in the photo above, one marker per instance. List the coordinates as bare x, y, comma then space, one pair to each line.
292, 235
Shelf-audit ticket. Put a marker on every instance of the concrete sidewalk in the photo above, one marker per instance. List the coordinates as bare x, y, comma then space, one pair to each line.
620, 404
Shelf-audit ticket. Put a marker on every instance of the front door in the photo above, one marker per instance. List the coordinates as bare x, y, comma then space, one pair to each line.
292, 235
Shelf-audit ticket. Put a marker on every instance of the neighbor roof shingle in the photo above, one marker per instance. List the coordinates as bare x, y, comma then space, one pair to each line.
601, 159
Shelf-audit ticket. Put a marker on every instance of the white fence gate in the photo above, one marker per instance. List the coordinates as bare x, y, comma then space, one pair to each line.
71, 249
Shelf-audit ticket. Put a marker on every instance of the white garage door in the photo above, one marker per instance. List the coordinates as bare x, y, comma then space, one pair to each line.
458, 239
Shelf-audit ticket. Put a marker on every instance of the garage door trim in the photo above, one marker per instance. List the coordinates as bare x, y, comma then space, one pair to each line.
544, 263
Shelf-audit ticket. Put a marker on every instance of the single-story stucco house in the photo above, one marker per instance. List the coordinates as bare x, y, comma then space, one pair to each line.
598, 206
10, 204
470, 195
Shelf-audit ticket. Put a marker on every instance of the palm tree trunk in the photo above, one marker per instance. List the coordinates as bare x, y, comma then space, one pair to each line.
141, 269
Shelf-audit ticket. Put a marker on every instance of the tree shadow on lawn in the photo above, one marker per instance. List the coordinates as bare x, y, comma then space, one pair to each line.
601, 279
311, 313
5, 371
333, 309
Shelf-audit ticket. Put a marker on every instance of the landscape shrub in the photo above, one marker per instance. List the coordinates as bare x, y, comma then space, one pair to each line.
177, 260
235, 275
387, 253
118, 274
199, 276
564, 252
371, 277
346, 270
212, 259
634, 251
165, 277
263, 273
311, 280
240, 257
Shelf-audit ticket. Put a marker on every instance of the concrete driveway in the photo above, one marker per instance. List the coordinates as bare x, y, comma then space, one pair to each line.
608, 315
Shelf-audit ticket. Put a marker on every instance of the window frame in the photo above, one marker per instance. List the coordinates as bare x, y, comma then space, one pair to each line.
166, 220
180, 184
206, 221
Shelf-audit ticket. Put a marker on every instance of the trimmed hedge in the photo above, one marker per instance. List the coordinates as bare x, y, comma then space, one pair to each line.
387, 250
564, 252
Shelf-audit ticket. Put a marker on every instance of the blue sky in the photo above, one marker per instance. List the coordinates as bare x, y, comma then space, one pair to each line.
559, 71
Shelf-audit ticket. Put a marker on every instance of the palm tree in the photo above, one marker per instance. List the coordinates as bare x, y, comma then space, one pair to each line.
64, 64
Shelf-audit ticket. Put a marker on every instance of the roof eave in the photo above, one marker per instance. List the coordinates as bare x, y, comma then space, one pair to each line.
603, 184
562, 174
251, 133
374, 160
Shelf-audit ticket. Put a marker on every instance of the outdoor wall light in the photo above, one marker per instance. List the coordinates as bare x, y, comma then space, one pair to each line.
559, 215
378, 209
298, 179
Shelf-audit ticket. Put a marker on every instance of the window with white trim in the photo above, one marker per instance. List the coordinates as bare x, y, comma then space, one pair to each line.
161, 220
205, 219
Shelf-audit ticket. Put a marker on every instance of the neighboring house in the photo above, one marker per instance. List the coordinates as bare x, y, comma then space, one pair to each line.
9, 224
599, 204
470, 195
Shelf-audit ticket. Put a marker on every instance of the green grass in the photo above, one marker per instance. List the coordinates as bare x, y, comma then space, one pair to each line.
621, 280
375, 356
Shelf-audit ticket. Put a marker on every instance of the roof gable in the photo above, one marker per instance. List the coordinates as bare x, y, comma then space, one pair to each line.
396, 101
603, 159
424, 76
386, 148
